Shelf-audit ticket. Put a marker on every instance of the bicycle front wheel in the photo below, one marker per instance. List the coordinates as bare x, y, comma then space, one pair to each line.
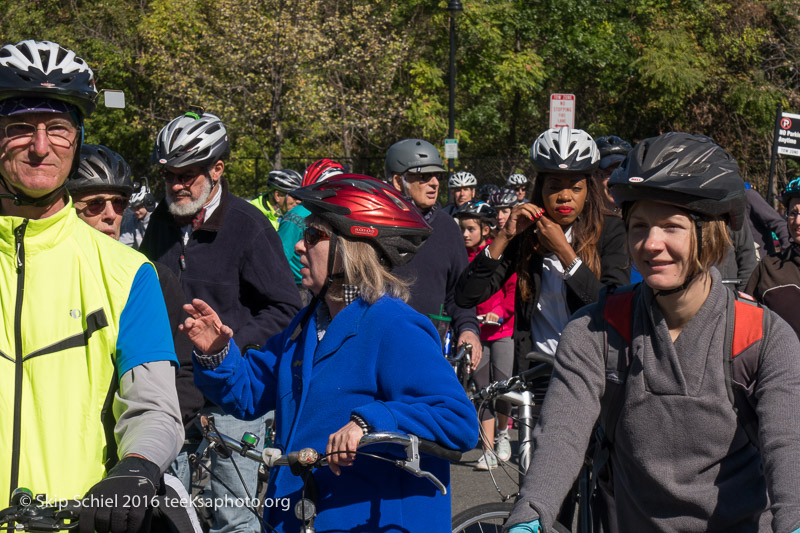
489, 518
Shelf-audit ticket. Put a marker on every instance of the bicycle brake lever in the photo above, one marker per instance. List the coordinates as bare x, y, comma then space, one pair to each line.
411, 464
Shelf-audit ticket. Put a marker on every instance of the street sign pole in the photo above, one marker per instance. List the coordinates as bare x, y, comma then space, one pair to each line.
774, 158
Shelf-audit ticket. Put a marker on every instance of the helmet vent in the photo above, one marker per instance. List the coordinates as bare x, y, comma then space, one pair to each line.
60, 55
26, 51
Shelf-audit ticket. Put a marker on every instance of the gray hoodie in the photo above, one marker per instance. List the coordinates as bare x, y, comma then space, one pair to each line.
681, 462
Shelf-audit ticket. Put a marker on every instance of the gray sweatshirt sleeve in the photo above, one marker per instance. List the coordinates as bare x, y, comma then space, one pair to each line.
778, 408
148, 415
569, 412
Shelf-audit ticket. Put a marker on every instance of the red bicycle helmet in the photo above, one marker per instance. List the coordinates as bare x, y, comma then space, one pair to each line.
321, 170
363, 208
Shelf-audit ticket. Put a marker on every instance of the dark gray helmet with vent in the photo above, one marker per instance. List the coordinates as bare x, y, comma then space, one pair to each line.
101, 169
689, 171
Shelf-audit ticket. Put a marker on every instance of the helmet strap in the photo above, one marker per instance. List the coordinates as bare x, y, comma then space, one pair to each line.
698, 227
23, 199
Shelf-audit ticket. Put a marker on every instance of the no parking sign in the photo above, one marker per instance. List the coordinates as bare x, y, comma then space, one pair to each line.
788, 139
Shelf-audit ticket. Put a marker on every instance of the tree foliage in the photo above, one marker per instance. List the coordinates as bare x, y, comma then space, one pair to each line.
295, 80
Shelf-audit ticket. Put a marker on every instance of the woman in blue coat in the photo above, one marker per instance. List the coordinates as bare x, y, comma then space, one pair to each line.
357, 359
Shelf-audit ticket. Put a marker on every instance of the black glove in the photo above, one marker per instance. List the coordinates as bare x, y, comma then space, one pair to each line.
120, 503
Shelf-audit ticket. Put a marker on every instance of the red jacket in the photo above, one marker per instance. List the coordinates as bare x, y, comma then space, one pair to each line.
501, 303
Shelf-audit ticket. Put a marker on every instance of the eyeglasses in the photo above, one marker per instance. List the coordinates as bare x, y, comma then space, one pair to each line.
521, 189
423, 178
185, 178
95, 206
794, 214
60, 134
312, 235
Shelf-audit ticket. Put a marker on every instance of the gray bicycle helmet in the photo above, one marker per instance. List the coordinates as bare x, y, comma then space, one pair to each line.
285, 180
462, 179
412, 155
504, 198
565, 150
689, 171
45, 69
191, 140
612, 149
101, 169
516, 180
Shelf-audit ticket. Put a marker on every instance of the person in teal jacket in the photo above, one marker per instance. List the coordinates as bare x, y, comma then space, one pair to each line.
356, 359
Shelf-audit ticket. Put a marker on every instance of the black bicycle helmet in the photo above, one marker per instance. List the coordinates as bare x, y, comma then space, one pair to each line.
285, 180
363, 208
477, 209
612, 150
101, 169
565, 150
486, 191
191, 140
689, 171
45, 69
504, 198
792, 190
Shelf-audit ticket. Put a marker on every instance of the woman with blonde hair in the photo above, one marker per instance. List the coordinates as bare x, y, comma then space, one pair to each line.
356, 359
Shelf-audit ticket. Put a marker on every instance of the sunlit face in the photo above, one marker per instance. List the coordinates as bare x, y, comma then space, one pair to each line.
473, 233
422, 188
140, 212
564, 196
313, 252
521, 190
188, 188
462, 195
502, 216
794, 220
660, 242
101, 210
37, 150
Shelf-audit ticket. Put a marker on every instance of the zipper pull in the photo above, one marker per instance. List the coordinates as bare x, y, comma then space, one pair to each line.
19, 234
183, 262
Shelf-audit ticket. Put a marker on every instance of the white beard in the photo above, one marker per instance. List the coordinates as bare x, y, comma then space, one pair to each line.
193, 207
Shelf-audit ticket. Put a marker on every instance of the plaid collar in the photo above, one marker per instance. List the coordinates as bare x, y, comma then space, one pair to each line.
350, 294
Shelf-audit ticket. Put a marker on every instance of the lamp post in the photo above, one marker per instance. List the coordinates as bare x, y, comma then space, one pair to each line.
454, 7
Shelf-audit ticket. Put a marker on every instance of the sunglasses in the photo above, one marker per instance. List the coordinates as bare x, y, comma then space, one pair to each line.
95, 206
186, 178
312, 235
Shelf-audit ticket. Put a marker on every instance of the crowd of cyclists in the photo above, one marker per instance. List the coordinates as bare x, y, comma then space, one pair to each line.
129, 320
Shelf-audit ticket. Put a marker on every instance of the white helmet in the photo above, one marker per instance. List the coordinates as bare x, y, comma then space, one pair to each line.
191, 140
565, 150
516, 180
462, 179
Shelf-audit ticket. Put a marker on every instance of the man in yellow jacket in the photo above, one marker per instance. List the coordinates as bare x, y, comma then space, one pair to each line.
88, 408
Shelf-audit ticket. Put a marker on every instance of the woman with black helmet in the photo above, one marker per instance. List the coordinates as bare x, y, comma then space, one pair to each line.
776, 280
356, 359
682, 458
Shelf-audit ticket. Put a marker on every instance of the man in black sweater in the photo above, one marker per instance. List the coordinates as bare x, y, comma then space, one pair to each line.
225, 252
414, 167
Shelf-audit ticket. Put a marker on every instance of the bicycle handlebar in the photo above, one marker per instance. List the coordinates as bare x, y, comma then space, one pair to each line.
462, 351
29, 514
309, 458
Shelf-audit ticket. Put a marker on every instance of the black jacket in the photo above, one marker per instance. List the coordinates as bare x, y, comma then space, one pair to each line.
234, 262
434, 271
776, 283
485, 276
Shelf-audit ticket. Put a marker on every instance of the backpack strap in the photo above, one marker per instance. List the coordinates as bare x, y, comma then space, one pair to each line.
618, 322
746, 323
